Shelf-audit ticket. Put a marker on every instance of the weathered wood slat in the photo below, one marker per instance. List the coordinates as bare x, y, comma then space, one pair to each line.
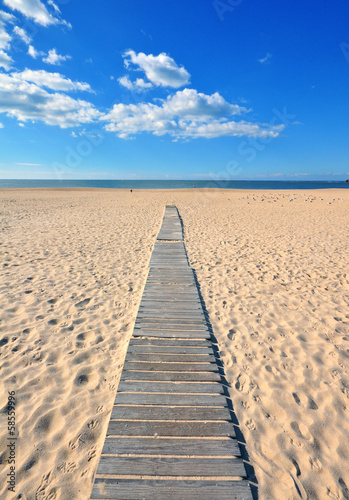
155, 398
180, 350
170, 367
172, 387
166, 429
220, 448
175, 307
171, 376
128, 489
134, 341
162, 301
170, 413
163, 466
170, 310
171, 326
168, 322
170, 358
172, 334
170, 342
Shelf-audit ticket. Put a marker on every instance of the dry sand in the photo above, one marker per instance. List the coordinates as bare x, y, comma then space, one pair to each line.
273, 271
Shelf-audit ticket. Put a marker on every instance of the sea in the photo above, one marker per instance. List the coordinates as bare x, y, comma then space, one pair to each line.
170, 184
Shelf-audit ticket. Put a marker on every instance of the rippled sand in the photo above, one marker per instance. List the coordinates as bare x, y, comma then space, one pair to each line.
273, 272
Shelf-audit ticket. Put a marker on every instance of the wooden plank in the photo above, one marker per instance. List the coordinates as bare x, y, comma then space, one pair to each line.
219, 448
171, 367
156, 273
169, 413
175, 314
169, 349
174, 326
163, 466
136, 398
163, 301
169, 358
180, 317
170, 342
170, 326
143, 489
167, 429
168, 296
170, 307
171, 387
171, 376
171, 334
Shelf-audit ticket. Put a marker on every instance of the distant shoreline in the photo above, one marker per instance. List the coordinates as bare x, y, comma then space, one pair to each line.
171, 185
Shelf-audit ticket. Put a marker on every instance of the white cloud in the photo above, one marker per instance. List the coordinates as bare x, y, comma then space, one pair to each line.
54, 58
266, 59
160, 70
186, 114
34, 9
33, 52
30, 164
125, 82
5, 60
5, 37
53, 81
138, 85
27, 101
1, 125
22, 34
56, 8
5, 16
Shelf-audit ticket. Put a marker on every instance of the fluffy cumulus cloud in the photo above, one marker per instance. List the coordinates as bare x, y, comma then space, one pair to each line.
27, 101
5, 60
54, 58
33, 52
137, 85
186, 114
22, 34
53, 81
5, 39
34, 9
160, 70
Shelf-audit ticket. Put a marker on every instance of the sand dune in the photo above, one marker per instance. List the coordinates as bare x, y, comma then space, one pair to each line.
273, 271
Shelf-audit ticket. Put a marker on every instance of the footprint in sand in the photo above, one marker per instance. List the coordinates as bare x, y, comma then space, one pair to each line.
82, 303
315, 464
301, 430
92, 453
250, 424
306, 401
93, 424
74, 443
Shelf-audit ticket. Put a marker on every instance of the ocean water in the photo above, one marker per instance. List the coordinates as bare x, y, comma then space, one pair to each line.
169, 184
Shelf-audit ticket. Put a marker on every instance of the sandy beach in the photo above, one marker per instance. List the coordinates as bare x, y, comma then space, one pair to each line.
273, 272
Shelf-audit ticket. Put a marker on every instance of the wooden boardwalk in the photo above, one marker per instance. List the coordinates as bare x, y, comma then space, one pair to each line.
171, 434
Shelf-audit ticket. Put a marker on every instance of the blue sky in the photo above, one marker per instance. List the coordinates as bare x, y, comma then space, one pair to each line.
227, 89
